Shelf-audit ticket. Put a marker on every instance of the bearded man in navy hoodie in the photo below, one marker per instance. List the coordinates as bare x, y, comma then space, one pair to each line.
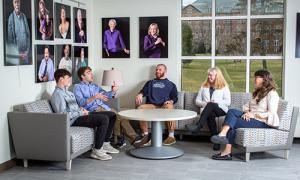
160, 93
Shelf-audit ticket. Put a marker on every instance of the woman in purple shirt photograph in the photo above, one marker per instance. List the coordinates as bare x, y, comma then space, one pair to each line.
113, 43
153, 43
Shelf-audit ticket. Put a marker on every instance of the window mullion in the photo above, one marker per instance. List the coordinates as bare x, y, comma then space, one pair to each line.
213, 33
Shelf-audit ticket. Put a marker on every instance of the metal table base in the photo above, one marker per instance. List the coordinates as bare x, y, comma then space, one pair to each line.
157, 150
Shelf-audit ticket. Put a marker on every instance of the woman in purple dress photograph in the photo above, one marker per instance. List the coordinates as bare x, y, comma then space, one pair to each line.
153, 43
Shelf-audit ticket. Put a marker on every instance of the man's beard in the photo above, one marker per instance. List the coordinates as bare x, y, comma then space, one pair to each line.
160, 75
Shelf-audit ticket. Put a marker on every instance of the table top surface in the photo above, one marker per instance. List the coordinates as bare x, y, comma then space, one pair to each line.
157, 114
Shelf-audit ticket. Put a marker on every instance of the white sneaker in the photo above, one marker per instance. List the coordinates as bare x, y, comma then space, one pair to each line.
109, 149
100, 154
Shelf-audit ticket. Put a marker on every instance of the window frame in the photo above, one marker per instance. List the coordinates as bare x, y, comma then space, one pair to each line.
213, 57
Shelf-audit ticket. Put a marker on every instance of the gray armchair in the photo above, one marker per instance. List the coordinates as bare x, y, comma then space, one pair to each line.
40, 134
260, 139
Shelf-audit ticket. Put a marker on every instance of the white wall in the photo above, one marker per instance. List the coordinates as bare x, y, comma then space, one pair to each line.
17, 86
292, 64
136, 71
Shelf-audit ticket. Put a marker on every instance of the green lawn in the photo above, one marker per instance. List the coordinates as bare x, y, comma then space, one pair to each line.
195, 72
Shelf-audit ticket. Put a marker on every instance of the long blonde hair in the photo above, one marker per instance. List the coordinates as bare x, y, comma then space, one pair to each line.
220, 81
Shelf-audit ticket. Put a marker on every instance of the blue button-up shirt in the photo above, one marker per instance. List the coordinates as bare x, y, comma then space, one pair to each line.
83, 91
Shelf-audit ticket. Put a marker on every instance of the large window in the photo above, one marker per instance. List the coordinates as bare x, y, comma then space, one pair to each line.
238, 36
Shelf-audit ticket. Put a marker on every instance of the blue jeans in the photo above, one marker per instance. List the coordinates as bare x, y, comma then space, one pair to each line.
234, 120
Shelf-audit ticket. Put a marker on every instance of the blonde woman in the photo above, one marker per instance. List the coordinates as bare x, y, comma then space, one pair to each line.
153, 43
214, 97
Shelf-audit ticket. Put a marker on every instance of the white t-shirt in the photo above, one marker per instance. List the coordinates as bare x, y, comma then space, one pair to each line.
65, 63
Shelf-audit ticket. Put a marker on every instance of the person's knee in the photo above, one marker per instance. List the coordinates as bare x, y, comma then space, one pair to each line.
168, 106
232, 112
103, 120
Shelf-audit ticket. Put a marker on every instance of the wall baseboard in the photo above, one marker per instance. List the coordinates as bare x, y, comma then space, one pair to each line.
7, 165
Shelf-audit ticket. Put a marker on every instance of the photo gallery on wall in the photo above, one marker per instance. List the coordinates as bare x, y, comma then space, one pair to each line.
60, 40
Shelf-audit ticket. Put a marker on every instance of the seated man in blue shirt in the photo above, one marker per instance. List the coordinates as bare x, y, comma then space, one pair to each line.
63, 101
159, 93
92, 97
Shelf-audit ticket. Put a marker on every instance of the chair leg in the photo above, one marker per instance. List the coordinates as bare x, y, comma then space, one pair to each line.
247, 156
25, 163
68, 165
286, 154
180, 136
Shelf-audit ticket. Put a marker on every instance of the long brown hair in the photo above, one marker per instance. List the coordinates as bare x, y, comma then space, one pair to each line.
267, 85
220, 81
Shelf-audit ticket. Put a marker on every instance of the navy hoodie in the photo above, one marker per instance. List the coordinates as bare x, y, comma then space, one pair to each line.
158, 91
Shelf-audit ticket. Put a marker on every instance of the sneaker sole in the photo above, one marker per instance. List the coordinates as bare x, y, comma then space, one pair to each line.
169, 143
94, 156
112, 152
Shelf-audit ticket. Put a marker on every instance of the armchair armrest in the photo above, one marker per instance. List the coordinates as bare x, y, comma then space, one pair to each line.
40, 136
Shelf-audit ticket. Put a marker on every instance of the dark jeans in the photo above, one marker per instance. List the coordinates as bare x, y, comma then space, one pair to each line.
234, 120
102, 122
209, 114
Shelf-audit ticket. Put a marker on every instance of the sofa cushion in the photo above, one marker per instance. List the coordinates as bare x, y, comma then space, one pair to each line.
81, 138
41, 106
180, 103
189, 102
284, 112
260, 137
238, 99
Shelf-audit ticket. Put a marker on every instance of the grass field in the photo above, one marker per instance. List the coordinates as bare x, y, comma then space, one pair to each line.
194, 73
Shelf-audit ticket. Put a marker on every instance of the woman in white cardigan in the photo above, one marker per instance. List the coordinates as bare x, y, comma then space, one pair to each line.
260, 112
214, 98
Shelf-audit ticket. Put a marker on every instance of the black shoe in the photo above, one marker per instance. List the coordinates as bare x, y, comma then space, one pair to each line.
193, 128
141, 141
216, 147
120, 142
220, 157
217, 139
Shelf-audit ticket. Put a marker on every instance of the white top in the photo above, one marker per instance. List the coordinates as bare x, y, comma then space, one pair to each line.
266, 109
220, 96
65, 64
157, 114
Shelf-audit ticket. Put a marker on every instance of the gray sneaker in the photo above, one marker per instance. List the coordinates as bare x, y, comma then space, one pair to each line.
100, 154
109, 149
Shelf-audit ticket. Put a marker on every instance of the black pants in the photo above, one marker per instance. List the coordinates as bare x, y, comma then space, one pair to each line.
102, 122
209, 114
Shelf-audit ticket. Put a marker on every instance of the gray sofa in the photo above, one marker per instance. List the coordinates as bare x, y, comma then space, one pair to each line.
186, 100
40, 134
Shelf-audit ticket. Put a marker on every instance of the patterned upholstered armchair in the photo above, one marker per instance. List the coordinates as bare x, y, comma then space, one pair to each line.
40, 134
258, 139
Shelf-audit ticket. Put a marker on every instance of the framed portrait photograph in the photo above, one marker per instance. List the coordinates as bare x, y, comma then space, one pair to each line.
115, 37
44, 63
44, 19
298, 36
63, 57
62, 21
154, 37
80, 59
80, 33
17, 32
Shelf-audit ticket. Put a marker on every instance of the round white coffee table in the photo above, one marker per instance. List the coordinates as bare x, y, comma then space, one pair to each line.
157, 116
